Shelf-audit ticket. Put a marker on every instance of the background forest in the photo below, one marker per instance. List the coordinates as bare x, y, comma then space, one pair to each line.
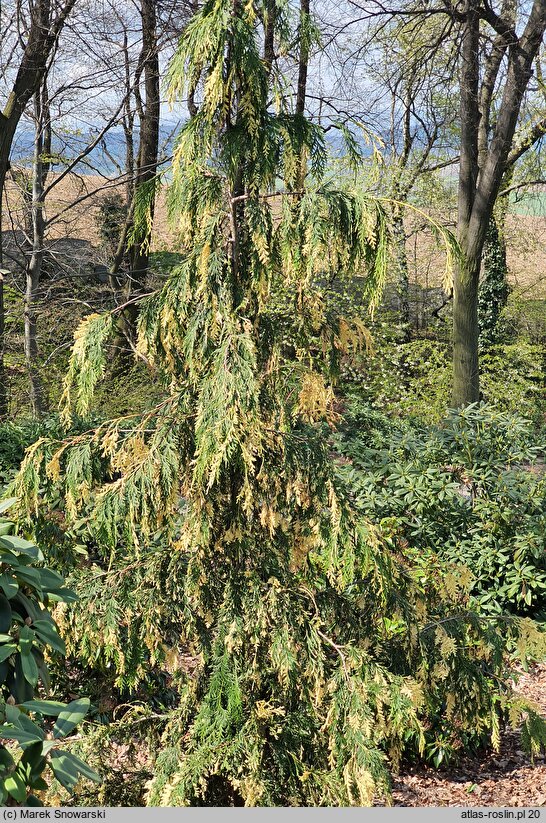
272, 396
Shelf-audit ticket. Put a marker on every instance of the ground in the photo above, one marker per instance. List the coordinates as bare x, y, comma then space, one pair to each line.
504, 778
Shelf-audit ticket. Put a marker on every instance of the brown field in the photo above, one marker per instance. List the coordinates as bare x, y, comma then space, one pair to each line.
72, 209
77, 226
526, 240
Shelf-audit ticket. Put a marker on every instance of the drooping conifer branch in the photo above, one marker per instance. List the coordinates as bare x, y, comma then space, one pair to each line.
314, 665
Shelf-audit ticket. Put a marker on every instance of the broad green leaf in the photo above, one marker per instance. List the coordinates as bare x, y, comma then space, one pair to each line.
51, 581
63, 595
15, 786
31, 608
26, 639
30, 669
6, 527
12, 560
51, 708
7, 504
13, 713
42, 668
7, 650
48, 634
5, 614
82, 767
21, 735
33, 756
6, 760
29, 726
19, 544
69, 718
32, 800
31, 576
64, 770
8, 585
22, 689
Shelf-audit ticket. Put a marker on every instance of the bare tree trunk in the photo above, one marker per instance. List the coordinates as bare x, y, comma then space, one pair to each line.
401, 265
149, 138
146, 166
301, 93
128, 129
477, 194
7, 131
466, 386
40, 42
40, 169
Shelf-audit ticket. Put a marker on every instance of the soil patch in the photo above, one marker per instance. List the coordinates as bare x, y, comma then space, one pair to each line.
504, 778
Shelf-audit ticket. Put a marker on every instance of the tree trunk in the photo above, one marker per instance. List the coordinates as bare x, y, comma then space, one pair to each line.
301, 94
149, 138
146, 167
36, 390
401, 267
40, 169
41, 39
477, 195
7, 131
466, 385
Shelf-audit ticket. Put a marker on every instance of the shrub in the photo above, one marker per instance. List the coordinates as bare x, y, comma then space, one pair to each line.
513, 378
28, 632
413, 380
461, 492
110, 219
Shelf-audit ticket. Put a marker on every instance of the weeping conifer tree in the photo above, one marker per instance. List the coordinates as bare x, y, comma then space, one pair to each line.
320, 658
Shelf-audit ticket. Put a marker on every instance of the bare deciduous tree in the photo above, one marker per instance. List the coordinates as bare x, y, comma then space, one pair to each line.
38, 28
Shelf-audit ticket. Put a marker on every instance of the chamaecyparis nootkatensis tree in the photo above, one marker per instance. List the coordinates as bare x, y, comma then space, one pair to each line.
222, 523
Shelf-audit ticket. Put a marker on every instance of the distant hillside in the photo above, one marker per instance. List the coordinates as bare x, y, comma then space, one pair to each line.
107, 158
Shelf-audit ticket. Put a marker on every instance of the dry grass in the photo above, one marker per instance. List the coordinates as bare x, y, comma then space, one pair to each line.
526, 235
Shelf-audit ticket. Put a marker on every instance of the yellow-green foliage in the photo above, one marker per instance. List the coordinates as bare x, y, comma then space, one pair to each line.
217, 515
